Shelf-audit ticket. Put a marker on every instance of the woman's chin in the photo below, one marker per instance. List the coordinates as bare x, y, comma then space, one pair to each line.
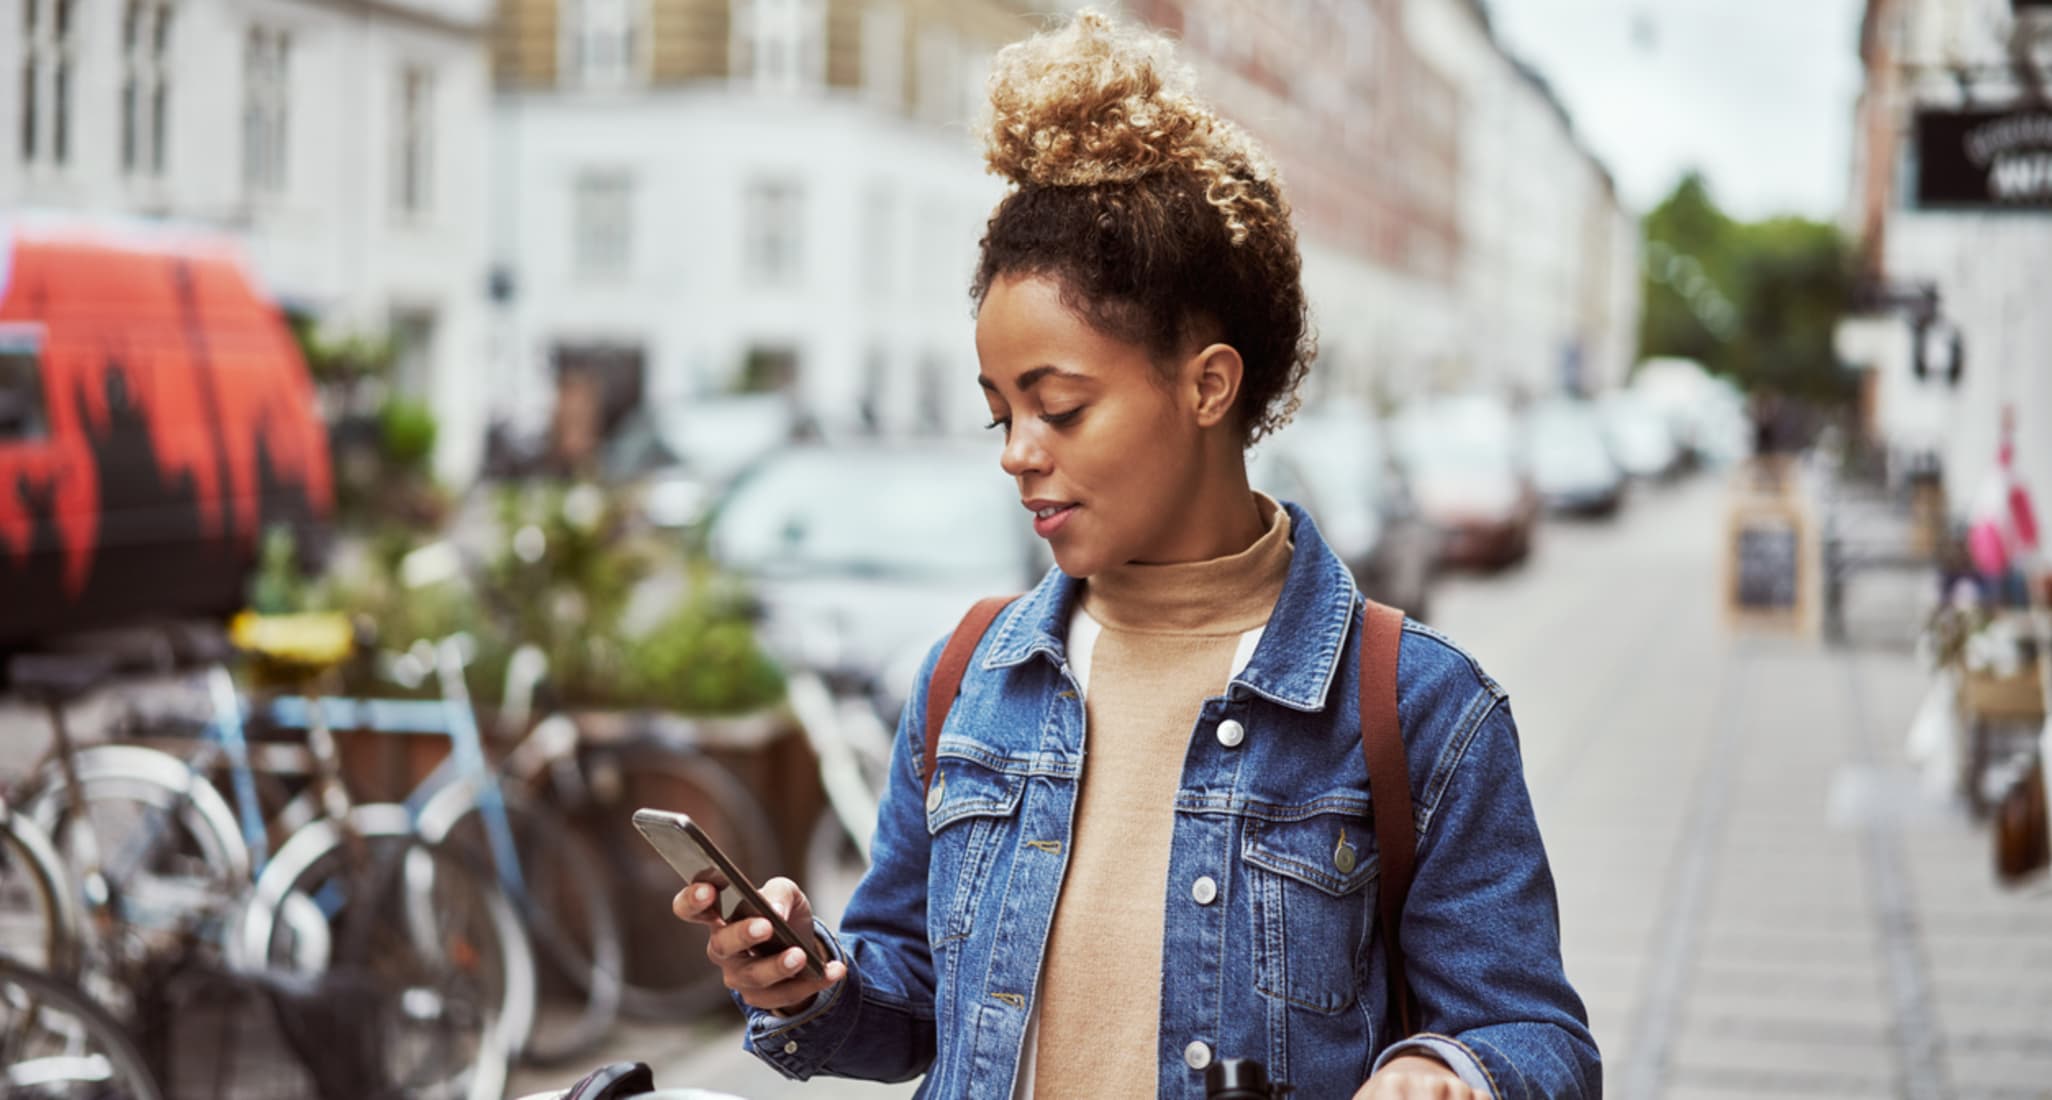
1077, 561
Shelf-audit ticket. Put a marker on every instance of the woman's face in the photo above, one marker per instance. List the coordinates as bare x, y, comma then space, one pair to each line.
1106, 451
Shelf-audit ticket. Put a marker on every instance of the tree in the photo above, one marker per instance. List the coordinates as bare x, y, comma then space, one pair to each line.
1756, 301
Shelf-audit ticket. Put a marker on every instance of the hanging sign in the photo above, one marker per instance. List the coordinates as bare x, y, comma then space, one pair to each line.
1985, 158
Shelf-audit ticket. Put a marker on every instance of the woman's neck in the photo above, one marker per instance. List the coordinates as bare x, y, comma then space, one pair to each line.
1224, 518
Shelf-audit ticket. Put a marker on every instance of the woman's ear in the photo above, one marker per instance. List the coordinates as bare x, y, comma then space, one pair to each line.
1213, 376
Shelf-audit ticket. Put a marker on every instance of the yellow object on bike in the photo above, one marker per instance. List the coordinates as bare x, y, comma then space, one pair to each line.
313, 640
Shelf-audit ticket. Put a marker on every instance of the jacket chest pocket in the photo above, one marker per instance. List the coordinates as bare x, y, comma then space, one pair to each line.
1313, 888
970, 809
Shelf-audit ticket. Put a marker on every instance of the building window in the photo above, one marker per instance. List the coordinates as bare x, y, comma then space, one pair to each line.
413, 351
145, 86
49, 62
780, 45
265, 99
604, 42
883, 56
940, 76
775, 210
604, 220
879, 229
413, 162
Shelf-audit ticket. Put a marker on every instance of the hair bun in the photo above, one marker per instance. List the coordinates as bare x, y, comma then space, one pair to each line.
1094, 103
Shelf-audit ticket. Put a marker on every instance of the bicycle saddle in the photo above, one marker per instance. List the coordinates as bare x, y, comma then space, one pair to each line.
626, 1081
59, 677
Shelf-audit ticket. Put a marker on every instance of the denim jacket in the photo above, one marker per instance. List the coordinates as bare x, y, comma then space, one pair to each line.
1280, 961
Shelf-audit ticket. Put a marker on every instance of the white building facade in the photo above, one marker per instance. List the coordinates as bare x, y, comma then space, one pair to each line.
701, 196
344, 146
1549, 283
1952, 194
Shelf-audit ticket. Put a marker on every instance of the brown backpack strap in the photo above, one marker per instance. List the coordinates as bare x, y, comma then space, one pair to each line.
947, 675
1389, 786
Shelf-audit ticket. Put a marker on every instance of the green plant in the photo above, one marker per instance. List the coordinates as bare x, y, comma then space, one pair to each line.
406, 434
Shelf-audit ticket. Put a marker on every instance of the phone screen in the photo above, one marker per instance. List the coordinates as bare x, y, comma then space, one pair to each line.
688, 857
696, 859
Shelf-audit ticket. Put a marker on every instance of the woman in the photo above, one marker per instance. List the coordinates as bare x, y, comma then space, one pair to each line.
1148, 841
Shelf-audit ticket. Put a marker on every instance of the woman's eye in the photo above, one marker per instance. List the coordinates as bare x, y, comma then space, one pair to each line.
1062, 419
1004, 422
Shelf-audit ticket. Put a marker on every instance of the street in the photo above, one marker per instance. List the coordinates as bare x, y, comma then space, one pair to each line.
1757, 900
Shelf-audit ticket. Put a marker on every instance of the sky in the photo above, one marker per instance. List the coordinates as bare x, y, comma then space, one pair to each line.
1758, 94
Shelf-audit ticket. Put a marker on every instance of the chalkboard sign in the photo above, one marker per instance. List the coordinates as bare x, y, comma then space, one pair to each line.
1769, 560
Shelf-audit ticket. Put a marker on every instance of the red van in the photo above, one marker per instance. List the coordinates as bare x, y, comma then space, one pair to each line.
155, 418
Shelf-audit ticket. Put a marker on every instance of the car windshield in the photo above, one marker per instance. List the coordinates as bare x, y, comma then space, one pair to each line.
1458, 441
1344, 460
1567, 440
905, 514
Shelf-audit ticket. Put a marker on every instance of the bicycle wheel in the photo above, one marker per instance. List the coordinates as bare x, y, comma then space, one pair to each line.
427, 939
55, 1044
40, 925
565, 906
164, 842
666, 974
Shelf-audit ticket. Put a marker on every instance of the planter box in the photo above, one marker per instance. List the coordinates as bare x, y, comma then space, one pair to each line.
2018, 698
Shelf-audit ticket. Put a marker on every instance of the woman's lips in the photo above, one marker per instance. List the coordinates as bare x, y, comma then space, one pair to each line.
1046, 526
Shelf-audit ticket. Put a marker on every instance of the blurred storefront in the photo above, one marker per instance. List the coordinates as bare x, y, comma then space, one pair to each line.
344, 145
1951, 201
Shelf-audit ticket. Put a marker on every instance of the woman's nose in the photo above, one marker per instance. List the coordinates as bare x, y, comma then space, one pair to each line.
1023, 454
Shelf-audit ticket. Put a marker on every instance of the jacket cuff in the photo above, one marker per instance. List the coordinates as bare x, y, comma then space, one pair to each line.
1465, 1063
800, 1046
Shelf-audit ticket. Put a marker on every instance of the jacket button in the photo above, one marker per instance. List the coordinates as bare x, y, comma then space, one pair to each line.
1205, 890
1196, 1055
791, 1047
935, 794
1231, 733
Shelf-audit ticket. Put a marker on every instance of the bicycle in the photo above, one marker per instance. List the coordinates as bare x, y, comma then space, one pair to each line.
182, 876
41, 925
56, 1044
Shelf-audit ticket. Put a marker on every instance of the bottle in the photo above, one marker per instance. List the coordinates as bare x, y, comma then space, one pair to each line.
1240, 1079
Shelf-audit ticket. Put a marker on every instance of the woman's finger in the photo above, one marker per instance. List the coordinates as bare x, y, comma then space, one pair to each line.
792, 992
736, 941
694, 903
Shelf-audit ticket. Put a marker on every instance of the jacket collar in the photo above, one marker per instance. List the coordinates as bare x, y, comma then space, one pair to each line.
1300, 650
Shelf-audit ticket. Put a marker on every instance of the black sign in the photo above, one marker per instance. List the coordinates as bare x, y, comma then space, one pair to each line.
1769, 559
1985, 158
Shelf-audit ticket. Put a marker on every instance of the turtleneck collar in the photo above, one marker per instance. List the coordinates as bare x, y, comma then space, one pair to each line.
1227, 595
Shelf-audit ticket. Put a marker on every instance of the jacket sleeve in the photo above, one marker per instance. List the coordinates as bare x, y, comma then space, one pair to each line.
877, 1023
1481, 933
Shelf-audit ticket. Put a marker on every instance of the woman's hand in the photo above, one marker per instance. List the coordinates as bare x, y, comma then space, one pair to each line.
775, 982
1417, 1077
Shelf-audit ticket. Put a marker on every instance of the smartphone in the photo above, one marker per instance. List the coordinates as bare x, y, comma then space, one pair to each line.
693, 855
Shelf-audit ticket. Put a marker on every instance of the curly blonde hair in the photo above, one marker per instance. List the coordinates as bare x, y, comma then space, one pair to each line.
1158, 218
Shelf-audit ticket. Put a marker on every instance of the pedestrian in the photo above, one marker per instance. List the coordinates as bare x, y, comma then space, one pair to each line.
1145, 837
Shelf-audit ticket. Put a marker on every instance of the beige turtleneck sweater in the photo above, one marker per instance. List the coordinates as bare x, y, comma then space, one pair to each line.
1156, 641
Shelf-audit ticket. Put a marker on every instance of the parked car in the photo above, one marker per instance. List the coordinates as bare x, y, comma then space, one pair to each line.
862, 555
156, 418
1572, 468
1639, 437
677, 456
1337, 464
1469, 479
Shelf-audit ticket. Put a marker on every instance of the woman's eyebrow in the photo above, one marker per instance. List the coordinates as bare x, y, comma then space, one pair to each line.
1031, 378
